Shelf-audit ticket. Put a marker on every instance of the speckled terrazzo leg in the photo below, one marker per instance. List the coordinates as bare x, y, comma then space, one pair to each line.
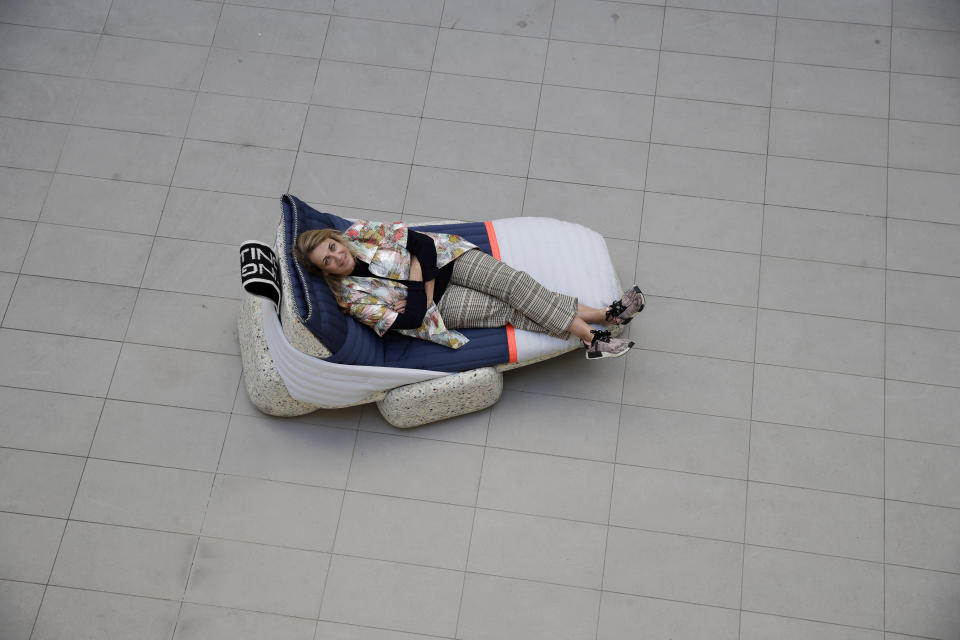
264, 385
454, 395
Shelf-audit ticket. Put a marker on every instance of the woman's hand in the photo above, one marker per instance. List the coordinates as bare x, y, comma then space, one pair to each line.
400, 306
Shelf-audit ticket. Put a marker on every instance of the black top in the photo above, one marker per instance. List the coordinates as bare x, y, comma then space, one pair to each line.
425, 250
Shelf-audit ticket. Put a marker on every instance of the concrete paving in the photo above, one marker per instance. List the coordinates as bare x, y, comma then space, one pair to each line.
779, 457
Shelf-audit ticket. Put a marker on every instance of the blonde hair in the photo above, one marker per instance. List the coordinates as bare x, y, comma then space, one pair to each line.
308, 241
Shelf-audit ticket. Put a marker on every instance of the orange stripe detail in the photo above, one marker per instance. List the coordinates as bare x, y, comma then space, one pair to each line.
492, 237
512, 342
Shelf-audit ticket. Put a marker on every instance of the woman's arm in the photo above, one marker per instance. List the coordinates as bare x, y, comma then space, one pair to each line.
416, 274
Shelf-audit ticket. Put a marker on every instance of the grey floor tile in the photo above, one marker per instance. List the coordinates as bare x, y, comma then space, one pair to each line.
472, 147
623, 255
683, 442
50, 422
242, 169
701, 222
926, 52
860, 11
157, 435
411, 467
150, 62
923, 355
257, 577
815, 521
274, 513
916, 195
922, 412
586, 160
342, 631
172, 21
921, 602
613, 212
711, 125
80, 201
85, 15
831, 89
35, 96
247, 121
647, 564
824, 236
482, 100
22, 192
496, 607
177, 377
16, 238
591, 112
813, 587
704, 172
924, 98
192, 214
923, 146
360, 134
594, 22
688, 383
202, 323
697, 329
844, 403
120, 155
833, 44
137, 495
287, 451
754, 626
926, 473
19, 603
922, 300
490, 55
559, 426
84, 614
199, 622
622, 615
816, 459
356, 86
269, 31
382, 43
259, 75
30, 546
31, 145
592, 66
817, 342
124, 560
426, 12
572, 377
470, 428
525, 18
698, 274
105, 257
842, 291
316, 6
464, 195
7, 283
402, 530
57, 363
930, 14
350, 182
821, 136
719, 33
674, 502
396, 596
537, 548
921, 536
700, 77
46, 50
760, 7
186, 266
71, 308
546, 485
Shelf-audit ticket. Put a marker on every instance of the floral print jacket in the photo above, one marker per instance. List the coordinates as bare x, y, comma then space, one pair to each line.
383, 246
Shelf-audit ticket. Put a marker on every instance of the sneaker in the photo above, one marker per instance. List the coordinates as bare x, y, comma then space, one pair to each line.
604, 346
630, 304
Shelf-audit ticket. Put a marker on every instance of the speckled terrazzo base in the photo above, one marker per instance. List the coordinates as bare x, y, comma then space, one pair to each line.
431, 400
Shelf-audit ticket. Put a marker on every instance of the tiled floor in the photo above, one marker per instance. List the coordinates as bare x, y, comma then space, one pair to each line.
778, 458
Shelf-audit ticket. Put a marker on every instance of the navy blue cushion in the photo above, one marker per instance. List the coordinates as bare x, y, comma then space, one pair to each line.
355, 343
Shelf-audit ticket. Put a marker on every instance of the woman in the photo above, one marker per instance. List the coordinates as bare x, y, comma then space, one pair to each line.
425, 284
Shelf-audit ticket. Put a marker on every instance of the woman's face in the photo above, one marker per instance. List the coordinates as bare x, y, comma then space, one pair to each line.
332, 258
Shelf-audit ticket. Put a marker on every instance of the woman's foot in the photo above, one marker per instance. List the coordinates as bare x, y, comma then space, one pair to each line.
605, 346
630, 304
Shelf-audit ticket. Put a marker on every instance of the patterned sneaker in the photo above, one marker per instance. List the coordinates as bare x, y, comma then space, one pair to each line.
630, 304
604, 346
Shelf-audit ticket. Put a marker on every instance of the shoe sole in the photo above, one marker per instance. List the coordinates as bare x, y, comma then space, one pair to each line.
590, 355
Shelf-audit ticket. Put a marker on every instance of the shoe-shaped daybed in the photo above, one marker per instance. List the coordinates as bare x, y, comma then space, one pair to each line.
305, 354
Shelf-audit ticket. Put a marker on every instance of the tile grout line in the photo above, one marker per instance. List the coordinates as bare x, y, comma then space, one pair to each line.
883, 364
